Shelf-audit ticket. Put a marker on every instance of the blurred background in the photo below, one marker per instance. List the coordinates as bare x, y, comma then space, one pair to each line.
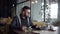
43, 12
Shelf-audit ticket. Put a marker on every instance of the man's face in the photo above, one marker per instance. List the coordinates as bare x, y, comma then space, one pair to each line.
27, 12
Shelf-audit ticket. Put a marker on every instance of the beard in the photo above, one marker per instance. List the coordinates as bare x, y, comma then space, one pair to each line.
27, 15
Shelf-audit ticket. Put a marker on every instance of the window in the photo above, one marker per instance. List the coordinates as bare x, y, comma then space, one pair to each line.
54, 10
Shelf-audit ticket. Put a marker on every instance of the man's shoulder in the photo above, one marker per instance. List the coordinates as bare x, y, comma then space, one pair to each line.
15, 17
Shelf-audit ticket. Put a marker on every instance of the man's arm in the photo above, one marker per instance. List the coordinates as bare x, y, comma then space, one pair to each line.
31, 24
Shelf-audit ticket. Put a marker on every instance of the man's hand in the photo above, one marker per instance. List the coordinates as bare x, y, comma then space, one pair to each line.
38, 26
24, 28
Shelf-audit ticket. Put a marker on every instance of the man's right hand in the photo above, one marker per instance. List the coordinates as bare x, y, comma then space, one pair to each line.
24, 28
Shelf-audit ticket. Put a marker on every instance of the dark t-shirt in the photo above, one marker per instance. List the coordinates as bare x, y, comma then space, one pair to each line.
16, 24
26, 22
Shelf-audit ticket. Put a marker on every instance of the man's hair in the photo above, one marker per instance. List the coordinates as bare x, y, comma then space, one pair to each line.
25, 7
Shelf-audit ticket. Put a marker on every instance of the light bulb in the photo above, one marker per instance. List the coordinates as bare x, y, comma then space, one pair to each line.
32, 2
13, 5
36, 1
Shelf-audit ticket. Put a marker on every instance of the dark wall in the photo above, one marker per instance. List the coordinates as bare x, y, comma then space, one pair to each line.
5, 7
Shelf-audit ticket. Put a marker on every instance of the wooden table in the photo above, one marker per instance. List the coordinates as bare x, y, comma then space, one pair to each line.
21, 32
38, 32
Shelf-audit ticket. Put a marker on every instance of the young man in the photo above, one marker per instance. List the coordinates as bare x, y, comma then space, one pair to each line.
24, 18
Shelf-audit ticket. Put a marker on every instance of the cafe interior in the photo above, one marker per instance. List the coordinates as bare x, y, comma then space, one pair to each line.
45, 15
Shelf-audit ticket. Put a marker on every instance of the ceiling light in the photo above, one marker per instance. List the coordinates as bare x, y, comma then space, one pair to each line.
13, 5
32, 2
36, 1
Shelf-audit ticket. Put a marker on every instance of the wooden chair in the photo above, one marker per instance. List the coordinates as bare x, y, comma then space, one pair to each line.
5, 27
